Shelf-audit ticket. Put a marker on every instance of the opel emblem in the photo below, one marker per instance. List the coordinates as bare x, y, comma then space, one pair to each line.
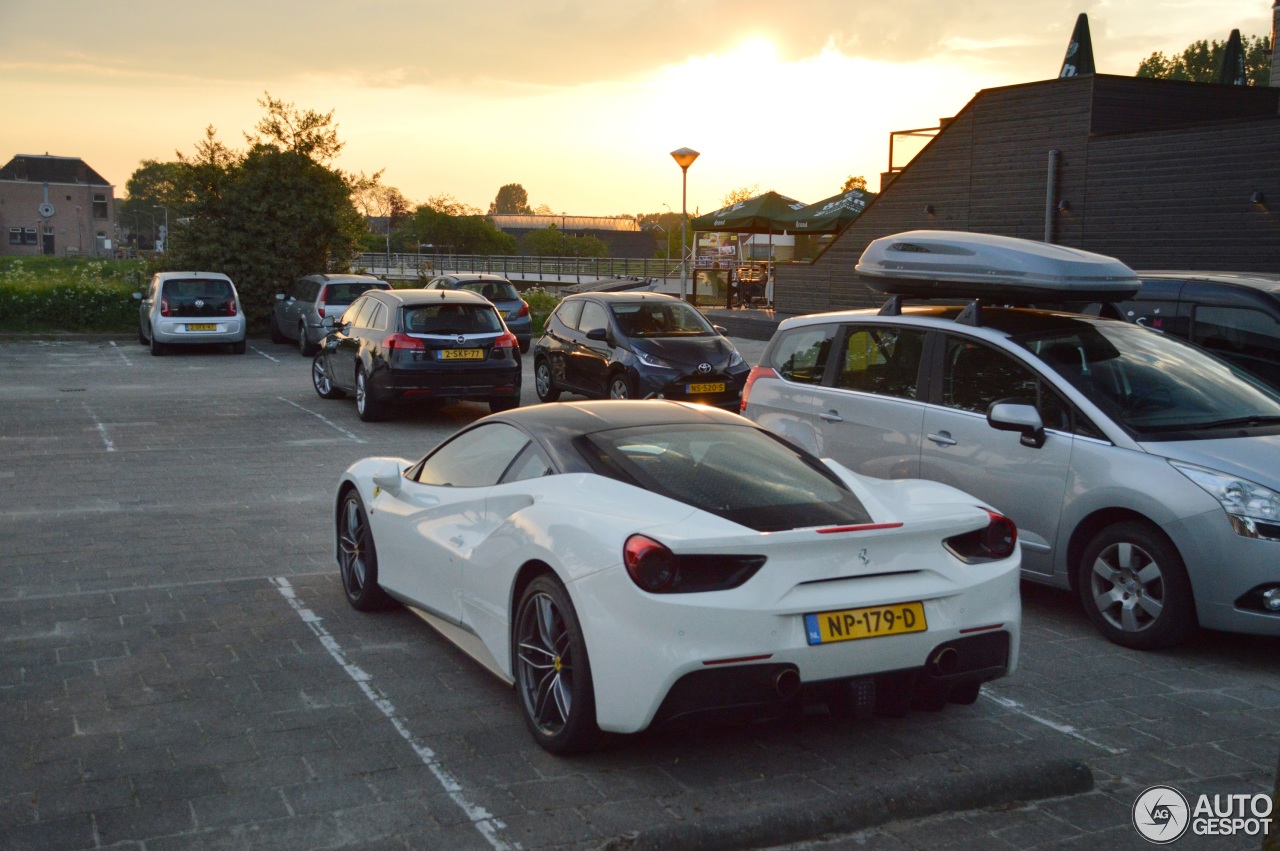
460, 339
199, 302
704, 368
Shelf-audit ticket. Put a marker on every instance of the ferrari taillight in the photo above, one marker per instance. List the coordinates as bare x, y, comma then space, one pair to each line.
655, 568
756, 372
995, 541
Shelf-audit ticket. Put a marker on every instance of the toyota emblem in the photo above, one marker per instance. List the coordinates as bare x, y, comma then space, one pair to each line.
704, 368
460, 339
199, 302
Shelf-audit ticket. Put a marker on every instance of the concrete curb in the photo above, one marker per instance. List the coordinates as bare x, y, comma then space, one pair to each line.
867, 808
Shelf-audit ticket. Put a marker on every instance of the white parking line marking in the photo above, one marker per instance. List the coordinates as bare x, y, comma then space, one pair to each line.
101, 429
1017, 708
121, 353
481, 819
322, 418
264, 354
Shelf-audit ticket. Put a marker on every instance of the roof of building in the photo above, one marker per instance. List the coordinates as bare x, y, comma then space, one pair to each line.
504, 221
42, 168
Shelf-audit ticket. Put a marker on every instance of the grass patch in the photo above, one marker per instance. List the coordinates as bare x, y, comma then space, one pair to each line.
44, 294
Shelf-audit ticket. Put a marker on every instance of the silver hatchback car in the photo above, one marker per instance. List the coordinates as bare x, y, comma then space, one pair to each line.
190, 308
1142, 471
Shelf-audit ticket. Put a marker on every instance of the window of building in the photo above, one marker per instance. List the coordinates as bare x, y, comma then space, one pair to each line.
15, 236
99, 205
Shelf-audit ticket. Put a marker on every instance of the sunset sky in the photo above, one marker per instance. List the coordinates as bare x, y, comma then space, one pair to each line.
579, 101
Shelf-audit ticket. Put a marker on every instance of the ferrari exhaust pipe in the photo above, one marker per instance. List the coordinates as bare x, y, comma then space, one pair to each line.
787, 683
944, 661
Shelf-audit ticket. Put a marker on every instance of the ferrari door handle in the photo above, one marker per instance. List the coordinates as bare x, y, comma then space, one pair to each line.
830, 416
456, 540
943, 438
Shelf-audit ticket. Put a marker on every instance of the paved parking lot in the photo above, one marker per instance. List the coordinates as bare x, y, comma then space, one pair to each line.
180, 669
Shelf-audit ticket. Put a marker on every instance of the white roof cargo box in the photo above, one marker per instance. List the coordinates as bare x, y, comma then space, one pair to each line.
1000, 269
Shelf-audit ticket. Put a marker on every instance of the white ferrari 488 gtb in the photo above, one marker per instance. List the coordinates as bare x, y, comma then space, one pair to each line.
626, 563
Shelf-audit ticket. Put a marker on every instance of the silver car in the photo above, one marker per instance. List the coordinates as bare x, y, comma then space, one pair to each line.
1142, 472
298, 314
190, 308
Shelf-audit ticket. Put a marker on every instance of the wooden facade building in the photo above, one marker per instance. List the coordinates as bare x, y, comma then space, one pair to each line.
1158, 173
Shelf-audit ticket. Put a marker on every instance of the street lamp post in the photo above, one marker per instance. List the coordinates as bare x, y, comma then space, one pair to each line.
684, 158
164, 243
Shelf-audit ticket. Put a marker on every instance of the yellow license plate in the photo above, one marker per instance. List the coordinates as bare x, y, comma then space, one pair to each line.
202, 327
871, 622
462, 354
717, 387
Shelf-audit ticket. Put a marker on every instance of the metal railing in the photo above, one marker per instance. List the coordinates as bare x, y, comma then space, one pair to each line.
564, 269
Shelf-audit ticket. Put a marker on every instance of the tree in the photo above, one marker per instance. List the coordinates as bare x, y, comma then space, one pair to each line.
268, 215
1201, 61
852, 182
551, 242
451, 227
153, 184
511, 199
746, 193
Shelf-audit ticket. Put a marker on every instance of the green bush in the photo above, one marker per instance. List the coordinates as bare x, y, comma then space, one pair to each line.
42, 294
541, 303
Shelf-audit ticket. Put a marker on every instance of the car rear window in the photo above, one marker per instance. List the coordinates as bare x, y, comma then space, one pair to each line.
450, 318
492, 289
740, 473
340, 295
198, 296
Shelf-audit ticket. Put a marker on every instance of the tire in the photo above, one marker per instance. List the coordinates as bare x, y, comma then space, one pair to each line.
524, 347
321, 380
620, 386
1134, 588
552, 671
306, 348
370, 409
357, 556
273, 328
543, 384
506, 403
240, 347
157, 347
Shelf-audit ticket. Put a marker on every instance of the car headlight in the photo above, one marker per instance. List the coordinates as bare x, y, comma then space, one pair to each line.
1254, 511
735, 359
651, 360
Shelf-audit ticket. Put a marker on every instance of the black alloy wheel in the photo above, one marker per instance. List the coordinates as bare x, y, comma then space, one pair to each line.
357, 556
552, 673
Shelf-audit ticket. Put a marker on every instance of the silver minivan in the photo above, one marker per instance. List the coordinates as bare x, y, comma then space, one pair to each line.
1142, 471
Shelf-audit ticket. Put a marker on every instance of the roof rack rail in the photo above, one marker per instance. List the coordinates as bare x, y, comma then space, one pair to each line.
971, 315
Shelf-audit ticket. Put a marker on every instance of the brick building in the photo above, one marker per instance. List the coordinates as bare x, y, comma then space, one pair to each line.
56, 206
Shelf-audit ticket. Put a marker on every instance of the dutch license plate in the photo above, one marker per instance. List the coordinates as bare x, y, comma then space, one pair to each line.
462, 354
716, 387
871, 622
204, 326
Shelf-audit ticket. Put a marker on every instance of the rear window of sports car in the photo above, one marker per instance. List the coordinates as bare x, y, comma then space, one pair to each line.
739, 473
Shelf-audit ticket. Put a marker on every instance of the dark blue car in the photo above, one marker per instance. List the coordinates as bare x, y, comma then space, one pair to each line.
636, 346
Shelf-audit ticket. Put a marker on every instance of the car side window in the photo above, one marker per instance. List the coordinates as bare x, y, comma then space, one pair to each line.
349, 315
884, 361
975, 375
1236, 331
530, 465
801, 354
366, 313
379, 320
593, 317
476, 458
568, 312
